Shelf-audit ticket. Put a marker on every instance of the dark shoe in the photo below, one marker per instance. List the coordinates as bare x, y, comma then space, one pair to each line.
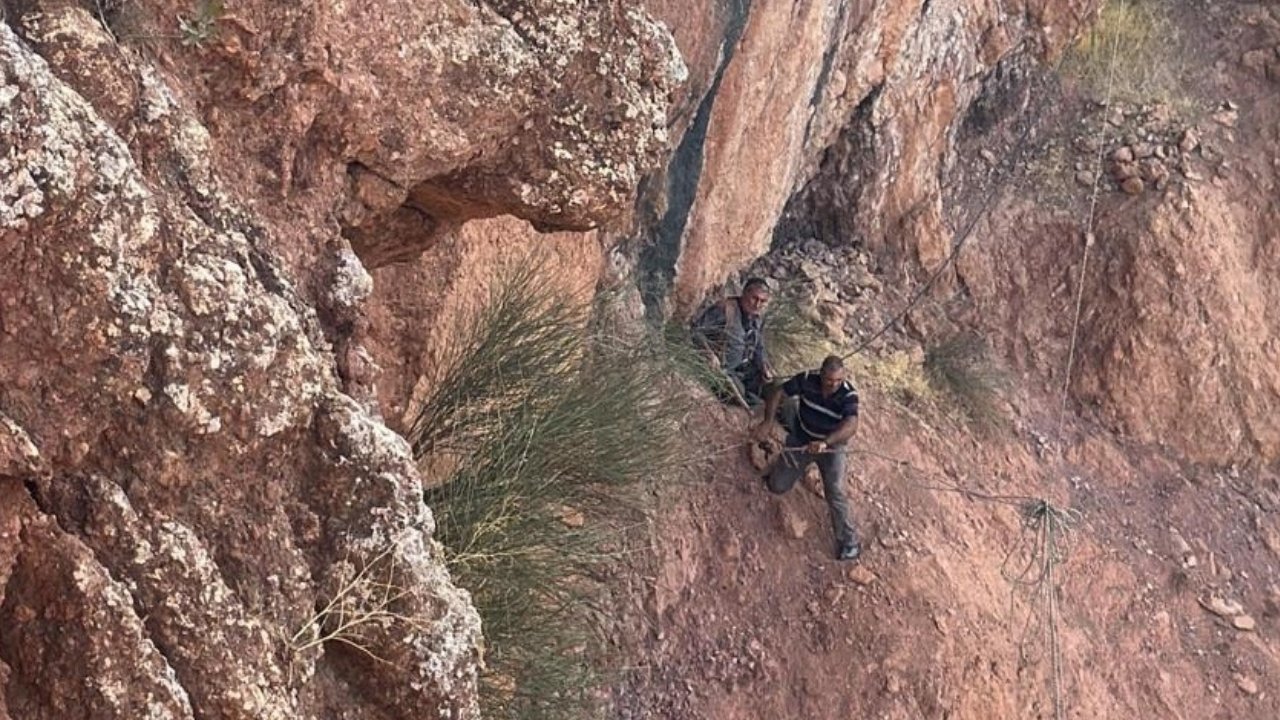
849, 551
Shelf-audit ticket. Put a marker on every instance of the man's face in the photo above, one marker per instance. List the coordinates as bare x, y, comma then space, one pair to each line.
755, 300
831, 381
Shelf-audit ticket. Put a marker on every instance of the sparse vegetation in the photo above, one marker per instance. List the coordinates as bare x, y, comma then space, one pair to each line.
1142, 38
368, 599
795, 342
554, 423
899, 375
961, 368
202, 25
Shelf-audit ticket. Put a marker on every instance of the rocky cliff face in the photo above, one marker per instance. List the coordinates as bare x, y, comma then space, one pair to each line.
236, 243
870, 93
186, 484
202, 511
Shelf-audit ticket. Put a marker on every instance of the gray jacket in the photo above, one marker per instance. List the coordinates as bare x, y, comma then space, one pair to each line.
737, 340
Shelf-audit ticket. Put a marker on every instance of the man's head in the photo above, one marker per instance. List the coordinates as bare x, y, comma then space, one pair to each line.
832, 373
755, 296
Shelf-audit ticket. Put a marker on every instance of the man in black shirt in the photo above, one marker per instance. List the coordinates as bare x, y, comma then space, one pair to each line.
824, 419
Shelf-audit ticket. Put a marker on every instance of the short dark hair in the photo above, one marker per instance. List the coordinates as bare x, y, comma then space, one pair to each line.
831, 363
754, 283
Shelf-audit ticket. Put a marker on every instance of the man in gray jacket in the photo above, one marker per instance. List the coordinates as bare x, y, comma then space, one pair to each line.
731, 335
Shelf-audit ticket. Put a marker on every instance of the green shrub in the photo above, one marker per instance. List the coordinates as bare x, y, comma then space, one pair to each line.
1142, 38
960, 367
554, 423
202, 25
898, 375
794, 340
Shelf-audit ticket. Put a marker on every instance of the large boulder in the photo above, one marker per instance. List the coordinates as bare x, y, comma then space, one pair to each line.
184, 487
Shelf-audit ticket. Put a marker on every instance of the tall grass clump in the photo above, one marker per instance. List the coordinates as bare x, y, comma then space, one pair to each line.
900, 375
554, 424
794, 340
960, 367
1142, 38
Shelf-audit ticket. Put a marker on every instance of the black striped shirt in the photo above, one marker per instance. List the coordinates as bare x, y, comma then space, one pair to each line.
818, 416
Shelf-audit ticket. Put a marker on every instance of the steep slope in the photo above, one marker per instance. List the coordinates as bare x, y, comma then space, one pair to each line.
748, 615
238, 237
1166, 593
185, 483
203, 513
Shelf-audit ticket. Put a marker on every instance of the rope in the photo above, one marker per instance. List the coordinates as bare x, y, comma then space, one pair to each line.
1044, 526
1006, 170
1044, 521
1088, 239
944, 486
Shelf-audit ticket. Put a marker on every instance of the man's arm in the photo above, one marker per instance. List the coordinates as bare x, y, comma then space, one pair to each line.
761, 359
772, 399
849, 425
843, 432
707, 329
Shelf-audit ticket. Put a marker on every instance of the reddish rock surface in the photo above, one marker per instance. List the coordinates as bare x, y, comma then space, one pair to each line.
230, 254
867, 96
1181, 345
419, 308
192, 458
185, 483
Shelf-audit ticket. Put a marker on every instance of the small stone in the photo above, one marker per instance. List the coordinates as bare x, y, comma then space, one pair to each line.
1247, 685
989, 156
1256, 60
860, 575
1190, 140
940, 623
792, 523
1153, 170
142, 396
813, 477
1143, 150
1180, 544
1084, 178
760, 455
1220, 607
1122, 154
1133, 186
1124, 171
572, 517
1244, 622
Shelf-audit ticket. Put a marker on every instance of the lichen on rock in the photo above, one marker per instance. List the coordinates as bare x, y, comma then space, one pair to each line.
173, 414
